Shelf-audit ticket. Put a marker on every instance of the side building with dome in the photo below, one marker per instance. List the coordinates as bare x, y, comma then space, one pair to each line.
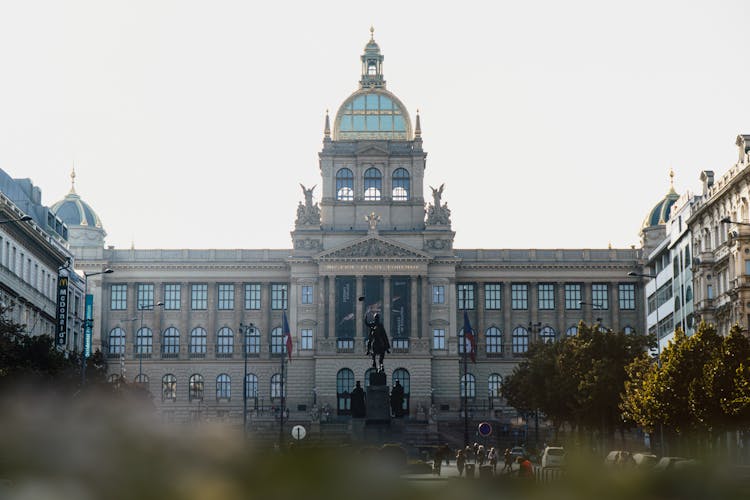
183, 321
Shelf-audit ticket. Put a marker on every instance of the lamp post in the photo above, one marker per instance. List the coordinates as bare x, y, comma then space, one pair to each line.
654, 277
25, 218
245, 331
87, 319
139, 340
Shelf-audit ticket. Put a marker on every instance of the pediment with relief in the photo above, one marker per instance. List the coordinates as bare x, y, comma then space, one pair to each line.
374, 247
372, 151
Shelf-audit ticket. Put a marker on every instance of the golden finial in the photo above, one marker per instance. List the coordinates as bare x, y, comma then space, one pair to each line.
372, 33
671, 180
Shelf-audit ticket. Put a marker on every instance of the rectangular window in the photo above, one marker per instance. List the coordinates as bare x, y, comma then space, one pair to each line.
252, 296
626, 292
438, 294
493, 295
438, 338
747, 267
306, 339
600, 296
710, 291
145, 296
172, 297
546, 296
573, 296
226, 296
465, 292
119, 297
307, 294
519, 296
279, 296
199, 297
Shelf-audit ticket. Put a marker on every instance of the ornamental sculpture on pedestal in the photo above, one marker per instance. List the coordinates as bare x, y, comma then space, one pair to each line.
309, 213
438, 213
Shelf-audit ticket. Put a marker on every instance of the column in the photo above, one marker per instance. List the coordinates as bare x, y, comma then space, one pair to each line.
615, 306
358, 318
331, 297
533, 311
507, 325
560, 306
414, 307
320, 308
265, 319
424, 330
386, 319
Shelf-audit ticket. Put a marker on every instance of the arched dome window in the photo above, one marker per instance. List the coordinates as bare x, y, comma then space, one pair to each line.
344, 185
401, 187
373, 184
372, 114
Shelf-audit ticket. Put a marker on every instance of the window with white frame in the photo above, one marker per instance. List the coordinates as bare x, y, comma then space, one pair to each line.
226, 296
546, 296
252, 296
438, 294
306, 339
199, 296
438, 338
519, 296
172, 297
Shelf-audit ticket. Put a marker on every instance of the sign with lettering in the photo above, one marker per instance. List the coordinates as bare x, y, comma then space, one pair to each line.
61, 329
400, 295
346, 301
88, 320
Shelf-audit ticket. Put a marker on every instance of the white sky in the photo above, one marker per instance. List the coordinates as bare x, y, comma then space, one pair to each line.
191, 124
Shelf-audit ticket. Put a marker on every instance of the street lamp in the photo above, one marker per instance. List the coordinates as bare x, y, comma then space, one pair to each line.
727, 220
87, 319
245, 331
139, 340
654, 277
25, 218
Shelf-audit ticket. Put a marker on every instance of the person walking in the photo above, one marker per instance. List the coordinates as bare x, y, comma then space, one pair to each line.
480, 455
460, 462
492, 458
508, 461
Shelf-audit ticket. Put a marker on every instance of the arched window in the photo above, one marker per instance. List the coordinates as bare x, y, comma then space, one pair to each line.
170, 346
195, 387
572, 331
468, 386
116, 341
677, 304
144, 342
402, 376
401, 187
344, 185
168, 387
547, 334
520, 341
252, 340
344, 387
373, 184
276, 386
141, 379
494, 338
367, 376
688, 293
495, 386
198, 342
464, 344
628, 330
251, 386
278, 345
225, 343
688, 263
223, 387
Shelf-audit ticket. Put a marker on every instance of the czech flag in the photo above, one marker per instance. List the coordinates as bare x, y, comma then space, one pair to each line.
287, 336
470, 343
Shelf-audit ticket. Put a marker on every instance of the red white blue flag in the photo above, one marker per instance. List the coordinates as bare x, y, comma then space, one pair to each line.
287, 336
470, 342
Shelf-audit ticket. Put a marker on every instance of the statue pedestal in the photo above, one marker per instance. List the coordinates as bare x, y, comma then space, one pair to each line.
378, 400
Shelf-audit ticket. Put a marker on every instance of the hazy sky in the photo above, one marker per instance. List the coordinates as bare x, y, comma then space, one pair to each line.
191, 124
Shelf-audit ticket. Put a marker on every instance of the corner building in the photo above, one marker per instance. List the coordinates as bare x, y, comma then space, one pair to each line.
373, 233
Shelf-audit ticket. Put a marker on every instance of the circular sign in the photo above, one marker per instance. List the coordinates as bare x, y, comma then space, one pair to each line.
485, 429
298, 432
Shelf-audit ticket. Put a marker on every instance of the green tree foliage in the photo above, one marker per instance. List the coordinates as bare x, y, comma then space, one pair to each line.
702, 385
578, 379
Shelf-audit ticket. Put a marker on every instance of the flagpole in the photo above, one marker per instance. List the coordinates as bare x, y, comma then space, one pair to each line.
466, 390
281, 413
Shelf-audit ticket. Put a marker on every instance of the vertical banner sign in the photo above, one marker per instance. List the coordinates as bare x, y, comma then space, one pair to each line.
345, 304
400, 316
88, 320
373, 298
61, 332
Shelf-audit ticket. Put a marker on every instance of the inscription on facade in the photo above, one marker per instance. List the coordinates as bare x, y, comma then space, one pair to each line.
369, 267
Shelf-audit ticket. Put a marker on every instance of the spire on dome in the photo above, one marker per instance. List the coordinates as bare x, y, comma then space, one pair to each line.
327, 129
418, 127
73, 180
372, 64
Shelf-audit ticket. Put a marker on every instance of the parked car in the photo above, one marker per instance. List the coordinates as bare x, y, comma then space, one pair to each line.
645, 460
518, 451
674, 463
553, 456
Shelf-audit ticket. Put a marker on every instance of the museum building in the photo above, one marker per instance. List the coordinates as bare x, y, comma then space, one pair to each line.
199, 326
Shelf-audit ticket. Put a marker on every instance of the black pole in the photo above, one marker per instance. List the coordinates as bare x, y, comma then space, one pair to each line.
281, 413
243, 330
466, 390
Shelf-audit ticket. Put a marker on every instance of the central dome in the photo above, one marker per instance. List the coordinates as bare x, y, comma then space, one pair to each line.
372, 114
